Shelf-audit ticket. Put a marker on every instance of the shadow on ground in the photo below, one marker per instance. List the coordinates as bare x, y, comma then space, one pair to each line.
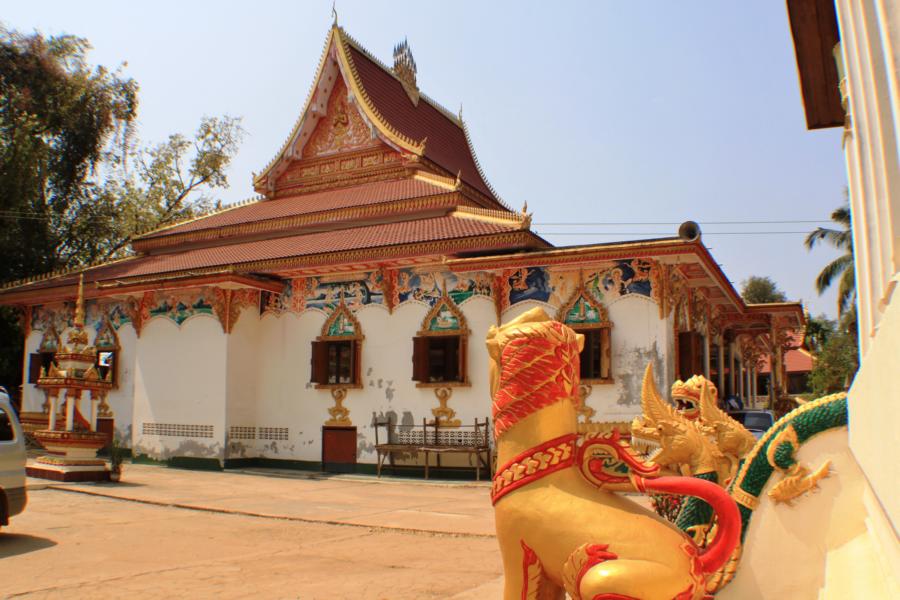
13, 544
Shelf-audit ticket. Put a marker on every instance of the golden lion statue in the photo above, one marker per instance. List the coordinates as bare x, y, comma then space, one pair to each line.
560, 526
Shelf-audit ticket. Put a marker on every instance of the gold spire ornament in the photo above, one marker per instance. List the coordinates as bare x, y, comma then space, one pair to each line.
78, 337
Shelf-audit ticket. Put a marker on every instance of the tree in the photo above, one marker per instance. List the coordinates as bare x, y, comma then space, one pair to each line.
74, 186
840, 269
818, 331
757, 290
835, 365
57, 117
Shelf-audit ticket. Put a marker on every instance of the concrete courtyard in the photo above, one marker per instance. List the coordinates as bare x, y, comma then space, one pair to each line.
166, 533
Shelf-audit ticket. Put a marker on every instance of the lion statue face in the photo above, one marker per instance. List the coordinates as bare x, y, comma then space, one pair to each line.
528, 324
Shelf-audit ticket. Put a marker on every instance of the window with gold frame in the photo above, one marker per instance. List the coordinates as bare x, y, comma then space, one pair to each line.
108, 350
439, 348
336, 352
590, 318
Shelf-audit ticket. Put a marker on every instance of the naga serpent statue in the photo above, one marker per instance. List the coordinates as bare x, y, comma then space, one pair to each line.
560, 523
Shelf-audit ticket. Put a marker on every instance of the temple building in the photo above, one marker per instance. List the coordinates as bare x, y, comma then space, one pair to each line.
360, 285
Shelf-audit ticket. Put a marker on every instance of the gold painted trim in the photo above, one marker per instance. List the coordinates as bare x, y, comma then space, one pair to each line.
323, 217
440, 384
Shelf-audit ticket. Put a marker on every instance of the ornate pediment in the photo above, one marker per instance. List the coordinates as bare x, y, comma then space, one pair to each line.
444, 318
341, 325
106, 338
341, 129
583, 311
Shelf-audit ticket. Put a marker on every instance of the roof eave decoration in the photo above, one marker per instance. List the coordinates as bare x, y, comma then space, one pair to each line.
341, 42
481, 174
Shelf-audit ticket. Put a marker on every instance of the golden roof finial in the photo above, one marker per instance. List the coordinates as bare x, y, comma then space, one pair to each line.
79, 303
334, 23
460, 111
525, 208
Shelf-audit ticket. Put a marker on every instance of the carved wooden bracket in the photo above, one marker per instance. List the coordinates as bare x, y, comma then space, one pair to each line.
584, 411
340, 414
443, 414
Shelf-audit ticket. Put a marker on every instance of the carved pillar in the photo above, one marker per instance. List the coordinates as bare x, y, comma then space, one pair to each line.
71, 400
53, 408
720, 360
94, 402
753, 384
731, 379
104, 410
706, 355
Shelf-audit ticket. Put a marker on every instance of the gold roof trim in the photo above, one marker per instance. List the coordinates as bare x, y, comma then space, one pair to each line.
322, 217
342, 40
209, 213
257, 179
494, 216
367, 105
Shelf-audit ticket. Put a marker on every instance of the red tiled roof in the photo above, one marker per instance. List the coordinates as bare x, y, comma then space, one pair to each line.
370, 236
447, 144
361, 195
795, 361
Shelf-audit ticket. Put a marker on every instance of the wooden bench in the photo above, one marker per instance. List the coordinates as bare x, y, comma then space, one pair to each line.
434, 438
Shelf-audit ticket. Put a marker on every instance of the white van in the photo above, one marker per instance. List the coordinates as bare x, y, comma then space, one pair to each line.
12, 462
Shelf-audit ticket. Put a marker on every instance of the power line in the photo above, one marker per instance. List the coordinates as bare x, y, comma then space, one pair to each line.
613, 223
669, 233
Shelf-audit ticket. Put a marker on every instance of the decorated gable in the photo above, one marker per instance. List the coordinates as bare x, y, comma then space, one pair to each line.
583, 313
341, 129
341, 326
444, 319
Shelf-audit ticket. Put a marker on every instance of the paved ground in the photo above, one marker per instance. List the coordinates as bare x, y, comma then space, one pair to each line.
168, 533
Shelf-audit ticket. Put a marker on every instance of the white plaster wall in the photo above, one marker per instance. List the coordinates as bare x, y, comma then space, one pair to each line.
638, 337
242, 375
32, 398
812, 534
121, 399
284, 396
180, 378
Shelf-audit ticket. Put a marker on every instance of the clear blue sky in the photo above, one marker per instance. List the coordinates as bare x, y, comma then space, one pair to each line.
593, 112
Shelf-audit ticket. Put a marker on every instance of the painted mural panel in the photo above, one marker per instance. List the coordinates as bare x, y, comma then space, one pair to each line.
605, 283
425, 285
325, 293
530, 283
179, 308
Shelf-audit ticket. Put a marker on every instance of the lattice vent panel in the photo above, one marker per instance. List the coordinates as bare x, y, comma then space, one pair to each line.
178, 430
237, 432
273, 433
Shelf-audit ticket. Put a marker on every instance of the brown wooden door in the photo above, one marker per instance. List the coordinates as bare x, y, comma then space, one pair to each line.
339, 449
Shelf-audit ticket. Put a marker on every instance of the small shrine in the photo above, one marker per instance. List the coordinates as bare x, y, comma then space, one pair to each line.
73, 444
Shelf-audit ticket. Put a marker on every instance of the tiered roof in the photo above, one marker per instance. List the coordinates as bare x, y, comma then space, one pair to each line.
373, 172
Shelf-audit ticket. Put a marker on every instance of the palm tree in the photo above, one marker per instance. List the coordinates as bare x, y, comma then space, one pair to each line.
840, 269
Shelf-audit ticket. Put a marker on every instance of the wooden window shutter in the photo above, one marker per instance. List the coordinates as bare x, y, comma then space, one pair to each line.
356, 357
462, 340
605, 354
420, 358
319, 366
35, 362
